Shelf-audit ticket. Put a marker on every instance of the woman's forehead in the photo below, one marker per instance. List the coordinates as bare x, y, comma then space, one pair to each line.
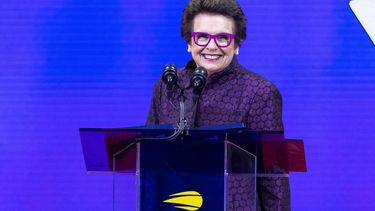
213, 23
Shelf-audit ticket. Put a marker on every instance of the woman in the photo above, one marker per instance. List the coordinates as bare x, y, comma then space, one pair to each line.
214, 31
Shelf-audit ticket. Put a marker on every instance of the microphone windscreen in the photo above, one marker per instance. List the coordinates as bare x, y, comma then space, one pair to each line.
199, 77
169, 74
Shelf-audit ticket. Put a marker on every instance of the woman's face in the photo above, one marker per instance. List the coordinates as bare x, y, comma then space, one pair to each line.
211, 56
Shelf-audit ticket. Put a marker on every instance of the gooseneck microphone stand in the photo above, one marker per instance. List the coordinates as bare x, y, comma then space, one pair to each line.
169, 77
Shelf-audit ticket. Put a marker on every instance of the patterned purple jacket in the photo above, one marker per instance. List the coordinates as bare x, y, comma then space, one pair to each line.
234, 95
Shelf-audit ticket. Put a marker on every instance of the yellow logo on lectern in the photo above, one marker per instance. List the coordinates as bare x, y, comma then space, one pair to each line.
187, 200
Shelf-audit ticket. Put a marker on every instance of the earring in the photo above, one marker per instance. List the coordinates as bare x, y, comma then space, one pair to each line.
188, 49
238, 51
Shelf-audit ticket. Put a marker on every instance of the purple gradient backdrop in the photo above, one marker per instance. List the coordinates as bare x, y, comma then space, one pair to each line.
68, 64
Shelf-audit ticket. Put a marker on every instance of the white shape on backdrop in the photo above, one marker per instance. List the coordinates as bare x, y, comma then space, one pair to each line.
365, 12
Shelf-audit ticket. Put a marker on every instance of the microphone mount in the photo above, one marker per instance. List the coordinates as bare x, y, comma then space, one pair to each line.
197, 83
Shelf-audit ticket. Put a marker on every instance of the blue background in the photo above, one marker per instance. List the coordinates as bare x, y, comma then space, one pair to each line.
66, 64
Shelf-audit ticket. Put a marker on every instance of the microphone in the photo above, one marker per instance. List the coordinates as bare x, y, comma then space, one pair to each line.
198, 81
169, 77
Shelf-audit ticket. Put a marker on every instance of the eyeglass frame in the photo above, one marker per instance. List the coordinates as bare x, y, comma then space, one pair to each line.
210, 36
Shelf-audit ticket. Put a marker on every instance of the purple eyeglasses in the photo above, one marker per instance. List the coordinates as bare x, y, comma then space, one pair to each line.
221, 39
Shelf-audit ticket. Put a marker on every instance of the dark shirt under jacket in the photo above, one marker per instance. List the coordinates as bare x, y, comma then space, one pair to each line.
234, 95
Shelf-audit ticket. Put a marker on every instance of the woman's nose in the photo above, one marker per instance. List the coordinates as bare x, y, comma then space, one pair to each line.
211, 44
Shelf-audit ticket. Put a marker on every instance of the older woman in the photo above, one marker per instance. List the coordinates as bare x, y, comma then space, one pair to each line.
214, 31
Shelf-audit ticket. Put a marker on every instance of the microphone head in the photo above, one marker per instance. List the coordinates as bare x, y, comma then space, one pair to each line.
170, 67
201, 71
199, 77
170, 74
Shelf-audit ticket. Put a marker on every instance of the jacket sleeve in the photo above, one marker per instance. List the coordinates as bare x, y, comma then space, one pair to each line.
265, 112
154, 111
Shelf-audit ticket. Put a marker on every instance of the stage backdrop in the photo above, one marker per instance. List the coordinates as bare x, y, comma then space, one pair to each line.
66, 64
